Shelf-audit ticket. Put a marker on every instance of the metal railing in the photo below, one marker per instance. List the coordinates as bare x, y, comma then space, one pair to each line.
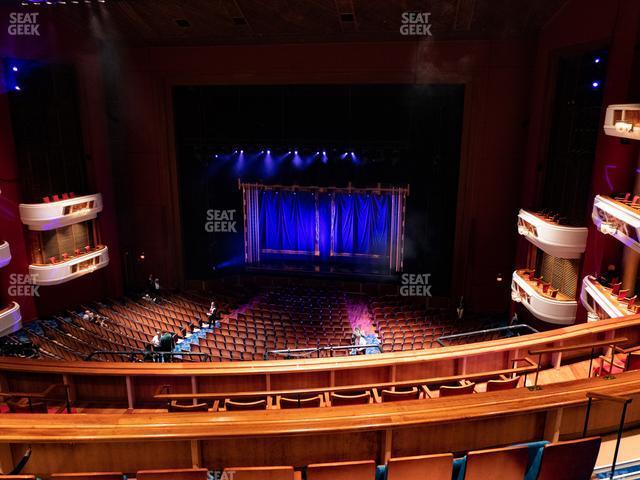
509, 328
152, 356
309, 352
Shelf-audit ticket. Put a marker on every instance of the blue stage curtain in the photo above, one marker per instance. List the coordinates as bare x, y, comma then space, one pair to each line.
288, 222
361, 224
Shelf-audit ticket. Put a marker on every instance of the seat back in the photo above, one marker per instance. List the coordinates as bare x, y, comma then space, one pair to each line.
260, 473
88, 476
338, 399
365, 470
179, 474
572, 460
433, 467
198, 407
394, 395
235, 405
497, 385
509, 463
633, 361
447, 391
286, 402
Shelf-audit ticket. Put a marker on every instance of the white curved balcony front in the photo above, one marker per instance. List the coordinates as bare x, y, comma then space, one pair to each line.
5, 254
62, 272
623, 121
599, 301
560, 241
615, 218
49, 216
560, 310
10, 319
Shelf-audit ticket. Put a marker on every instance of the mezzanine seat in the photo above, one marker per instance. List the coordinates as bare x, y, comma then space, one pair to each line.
508, 463
572, 460
364, 470
237, 405
309, 402
433, 467
400, 395
339, 399
503, 384
263, 473
178, 474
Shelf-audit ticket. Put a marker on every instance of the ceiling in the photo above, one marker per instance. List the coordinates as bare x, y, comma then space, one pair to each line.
205, 22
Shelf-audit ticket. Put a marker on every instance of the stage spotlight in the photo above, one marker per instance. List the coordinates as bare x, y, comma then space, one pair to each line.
295, 152
596, 60
268, 152
15, 69
241, 152
595, 84
324, 153
17, 87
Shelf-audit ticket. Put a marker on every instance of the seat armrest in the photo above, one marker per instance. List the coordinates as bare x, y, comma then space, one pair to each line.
427, 393
376, 395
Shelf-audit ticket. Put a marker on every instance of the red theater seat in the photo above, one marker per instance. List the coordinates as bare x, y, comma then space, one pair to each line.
65, 196
573, 460
262, 473
508, 463
72, 195
433, 467
56, 198
365, 470
181, 474
46, 199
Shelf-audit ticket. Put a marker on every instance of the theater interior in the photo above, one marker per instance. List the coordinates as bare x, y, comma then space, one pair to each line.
319, 239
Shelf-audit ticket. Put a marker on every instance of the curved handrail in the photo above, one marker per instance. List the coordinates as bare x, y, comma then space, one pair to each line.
132, 354
302, 352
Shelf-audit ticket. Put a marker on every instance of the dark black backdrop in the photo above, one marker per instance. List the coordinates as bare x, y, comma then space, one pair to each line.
401, 134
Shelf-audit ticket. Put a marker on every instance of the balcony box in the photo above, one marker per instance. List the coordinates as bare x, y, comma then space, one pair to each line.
623, 121
10, 319
49, 216
599, 302
617, 219
62, 272
560, 241
5, 254
558, 311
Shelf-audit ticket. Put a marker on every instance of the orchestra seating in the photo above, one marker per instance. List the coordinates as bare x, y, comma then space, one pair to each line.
250, 325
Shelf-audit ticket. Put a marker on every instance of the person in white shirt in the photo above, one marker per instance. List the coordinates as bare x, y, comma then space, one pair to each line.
155, 341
